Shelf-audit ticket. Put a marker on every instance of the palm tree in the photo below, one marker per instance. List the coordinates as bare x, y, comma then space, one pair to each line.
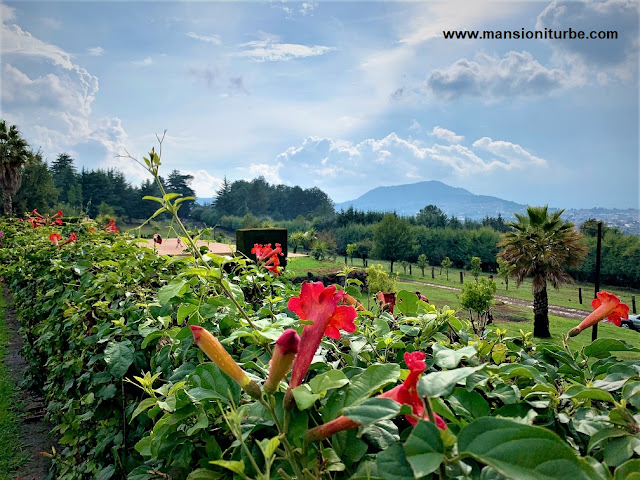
542, 245
13, 156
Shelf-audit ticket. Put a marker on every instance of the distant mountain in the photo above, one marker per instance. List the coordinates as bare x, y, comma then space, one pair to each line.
410, 198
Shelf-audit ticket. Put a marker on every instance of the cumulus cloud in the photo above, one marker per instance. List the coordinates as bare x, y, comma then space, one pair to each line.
337, 165
516, 74
269, 49
514, 155
214, 39
52, 106
444, 134
270, 172
96, 51
618, 56
204, 184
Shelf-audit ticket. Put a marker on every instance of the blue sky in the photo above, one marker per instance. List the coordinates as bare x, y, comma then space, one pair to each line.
345, 96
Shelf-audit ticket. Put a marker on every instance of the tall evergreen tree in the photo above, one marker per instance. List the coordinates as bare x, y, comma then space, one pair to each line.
37, 190
180, 183
65, 177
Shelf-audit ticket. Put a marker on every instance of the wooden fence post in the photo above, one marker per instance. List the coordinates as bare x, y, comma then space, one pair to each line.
633, 303
433, 272
580, 295
460, 277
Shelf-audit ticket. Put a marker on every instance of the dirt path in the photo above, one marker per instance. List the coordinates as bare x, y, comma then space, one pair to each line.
553, 309
34, 432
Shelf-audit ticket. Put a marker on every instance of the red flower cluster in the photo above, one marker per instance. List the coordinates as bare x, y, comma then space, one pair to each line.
38, 220
317, 304
55, 238
267, 256
111, 227
405, 394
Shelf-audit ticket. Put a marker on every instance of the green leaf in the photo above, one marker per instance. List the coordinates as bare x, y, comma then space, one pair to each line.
603, 435
106, 473
269, 446
233, 465
175, 288
211, 384
327, 381
470, 405
522, 451
371, 380
203, 474
424, 449
373, 410
407, 303
581, 392
628, 471
332, 461
393, 465
118, 357
304, 397
447, 358
155, 199
603, 347
170, 196
439, 384
511, 370
142, 406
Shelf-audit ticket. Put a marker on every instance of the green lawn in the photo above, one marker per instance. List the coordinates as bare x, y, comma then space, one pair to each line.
517, 318
565, 296
10, 454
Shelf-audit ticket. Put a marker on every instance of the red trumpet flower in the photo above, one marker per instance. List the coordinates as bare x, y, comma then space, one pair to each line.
605, 305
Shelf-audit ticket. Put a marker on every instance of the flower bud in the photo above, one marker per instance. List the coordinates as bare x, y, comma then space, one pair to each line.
283, 355
218, 355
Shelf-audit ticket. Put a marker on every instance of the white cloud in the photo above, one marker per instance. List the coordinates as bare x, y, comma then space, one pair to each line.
143, 63
516, 74
590, 57
447, 135
53, 107
339, 166
415, 125
204, 184
269, 49
7, 14
271, 173
95, 51
214, 39
515, 155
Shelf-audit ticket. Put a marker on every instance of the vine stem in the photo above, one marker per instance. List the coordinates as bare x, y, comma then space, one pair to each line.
289, 450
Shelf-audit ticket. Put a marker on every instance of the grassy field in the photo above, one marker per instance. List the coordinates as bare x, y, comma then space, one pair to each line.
510, 317
566, 296
10, 454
